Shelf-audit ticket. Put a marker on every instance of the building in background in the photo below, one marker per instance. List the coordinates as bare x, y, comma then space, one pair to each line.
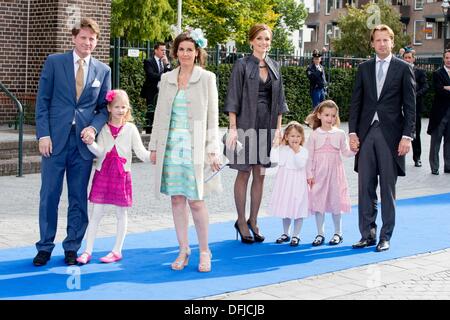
422, 19
30, 30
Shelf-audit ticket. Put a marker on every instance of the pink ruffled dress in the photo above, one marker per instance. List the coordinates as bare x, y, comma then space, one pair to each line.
112, 184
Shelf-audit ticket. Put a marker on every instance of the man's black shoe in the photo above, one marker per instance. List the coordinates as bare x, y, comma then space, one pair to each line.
383, 245
364, 243
435, 172
41, 258
70, 258
418, 163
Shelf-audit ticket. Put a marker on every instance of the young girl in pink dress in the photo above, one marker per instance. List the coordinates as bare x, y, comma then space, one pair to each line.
112, 179
325, 170
289, 199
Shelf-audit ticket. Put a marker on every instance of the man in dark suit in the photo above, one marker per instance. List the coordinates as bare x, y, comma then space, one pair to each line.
421, 90
70, 110
317, 81
154, 67
439, 124
381, 126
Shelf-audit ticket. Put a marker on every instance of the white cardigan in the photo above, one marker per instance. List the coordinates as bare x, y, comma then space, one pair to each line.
127, 140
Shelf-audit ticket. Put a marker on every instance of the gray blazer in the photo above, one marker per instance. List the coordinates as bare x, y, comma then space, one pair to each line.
242, 96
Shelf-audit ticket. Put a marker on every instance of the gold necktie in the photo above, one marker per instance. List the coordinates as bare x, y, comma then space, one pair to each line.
79, 79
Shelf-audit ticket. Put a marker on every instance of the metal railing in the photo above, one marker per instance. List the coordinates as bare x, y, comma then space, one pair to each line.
20, 111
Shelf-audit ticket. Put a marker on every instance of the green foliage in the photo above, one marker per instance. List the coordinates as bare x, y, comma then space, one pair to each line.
356, 26
131, 79
296, 89
292, 14
281, 41
141, 19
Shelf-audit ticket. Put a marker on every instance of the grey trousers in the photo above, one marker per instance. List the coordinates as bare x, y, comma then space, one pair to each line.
376, 160
442, 131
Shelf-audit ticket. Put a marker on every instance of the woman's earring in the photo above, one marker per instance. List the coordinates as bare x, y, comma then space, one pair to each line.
268, 49
251, 47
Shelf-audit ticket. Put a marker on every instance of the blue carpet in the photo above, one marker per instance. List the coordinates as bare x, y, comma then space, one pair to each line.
422, 225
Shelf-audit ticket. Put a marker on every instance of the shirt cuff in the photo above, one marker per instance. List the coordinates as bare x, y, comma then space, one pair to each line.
44, 137
409, 138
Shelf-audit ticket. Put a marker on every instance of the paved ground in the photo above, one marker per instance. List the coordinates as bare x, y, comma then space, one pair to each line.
425, 276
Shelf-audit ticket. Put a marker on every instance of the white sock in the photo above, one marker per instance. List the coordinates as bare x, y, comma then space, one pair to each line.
337, 223
286, 225
122, 221
298, 223
96, 216
320, 222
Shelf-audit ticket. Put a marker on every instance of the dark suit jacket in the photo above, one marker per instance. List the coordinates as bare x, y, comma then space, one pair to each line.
421, 88
395, 107
57, 106
316, 77
441, 102
152, 77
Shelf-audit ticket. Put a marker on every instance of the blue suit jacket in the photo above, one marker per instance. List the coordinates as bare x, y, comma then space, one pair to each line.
56, 104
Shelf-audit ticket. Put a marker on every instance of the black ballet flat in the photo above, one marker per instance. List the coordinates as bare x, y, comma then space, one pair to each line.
258, 237
244, 239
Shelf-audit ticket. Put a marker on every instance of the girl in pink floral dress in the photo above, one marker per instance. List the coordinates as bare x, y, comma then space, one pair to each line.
111, 184
325, 170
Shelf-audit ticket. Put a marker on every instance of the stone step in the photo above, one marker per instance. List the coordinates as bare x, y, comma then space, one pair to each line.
32, 163
10, 149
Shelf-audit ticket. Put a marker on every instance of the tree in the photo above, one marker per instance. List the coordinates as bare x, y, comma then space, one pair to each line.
357, 24
292, 16
141, 19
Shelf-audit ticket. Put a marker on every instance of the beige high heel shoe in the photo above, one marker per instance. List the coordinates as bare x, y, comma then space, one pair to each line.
182, 260
205, 261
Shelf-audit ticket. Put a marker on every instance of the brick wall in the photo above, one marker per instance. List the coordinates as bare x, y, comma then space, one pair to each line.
30, 30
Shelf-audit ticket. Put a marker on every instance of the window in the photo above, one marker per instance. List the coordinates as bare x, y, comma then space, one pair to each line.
329, 6
418, 4
317, 7
418, 32
430, 31
328, 29
337, 33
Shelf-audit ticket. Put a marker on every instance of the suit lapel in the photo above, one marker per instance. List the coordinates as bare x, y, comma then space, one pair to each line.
445, 75
92, 72
70, 74
372, 78
389, 76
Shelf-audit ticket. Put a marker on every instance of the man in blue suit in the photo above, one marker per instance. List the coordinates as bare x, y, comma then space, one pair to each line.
70, 110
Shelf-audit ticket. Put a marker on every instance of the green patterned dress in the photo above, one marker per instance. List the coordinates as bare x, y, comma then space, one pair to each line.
178, 175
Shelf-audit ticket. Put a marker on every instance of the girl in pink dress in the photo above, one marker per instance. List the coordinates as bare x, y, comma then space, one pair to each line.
111, 184
289, 199
325, 170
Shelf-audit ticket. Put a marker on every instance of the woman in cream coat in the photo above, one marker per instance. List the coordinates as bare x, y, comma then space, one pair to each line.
184, 143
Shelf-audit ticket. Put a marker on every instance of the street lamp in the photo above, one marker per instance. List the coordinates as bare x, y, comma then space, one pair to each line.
444, 7
329, 34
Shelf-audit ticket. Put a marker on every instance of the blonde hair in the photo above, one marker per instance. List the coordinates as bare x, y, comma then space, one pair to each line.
120, 94
291, 126
382, 27
313, 121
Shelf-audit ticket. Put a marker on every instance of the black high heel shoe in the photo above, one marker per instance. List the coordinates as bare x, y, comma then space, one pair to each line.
258, 237
244, 239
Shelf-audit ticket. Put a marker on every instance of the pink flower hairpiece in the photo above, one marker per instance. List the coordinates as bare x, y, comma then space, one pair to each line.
110, 95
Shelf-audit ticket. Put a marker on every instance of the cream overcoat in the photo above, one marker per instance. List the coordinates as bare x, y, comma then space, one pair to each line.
203, 109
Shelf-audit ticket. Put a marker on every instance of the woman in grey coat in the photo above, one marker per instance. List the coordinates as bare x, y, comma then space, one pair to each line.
255, 103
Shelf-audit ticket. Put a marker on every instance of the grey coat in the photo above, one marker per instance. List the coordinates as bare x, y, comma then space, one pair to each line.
242, 97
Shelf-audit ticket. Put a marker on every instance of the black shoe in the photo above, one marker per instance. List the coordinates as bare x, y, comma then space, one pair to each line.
283, 238
258, 237
418, 163
244, 239
294, 241
70, 258
383, 245
435, 172
364, 243
41, 258
336, 240
446, 171
318, 241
